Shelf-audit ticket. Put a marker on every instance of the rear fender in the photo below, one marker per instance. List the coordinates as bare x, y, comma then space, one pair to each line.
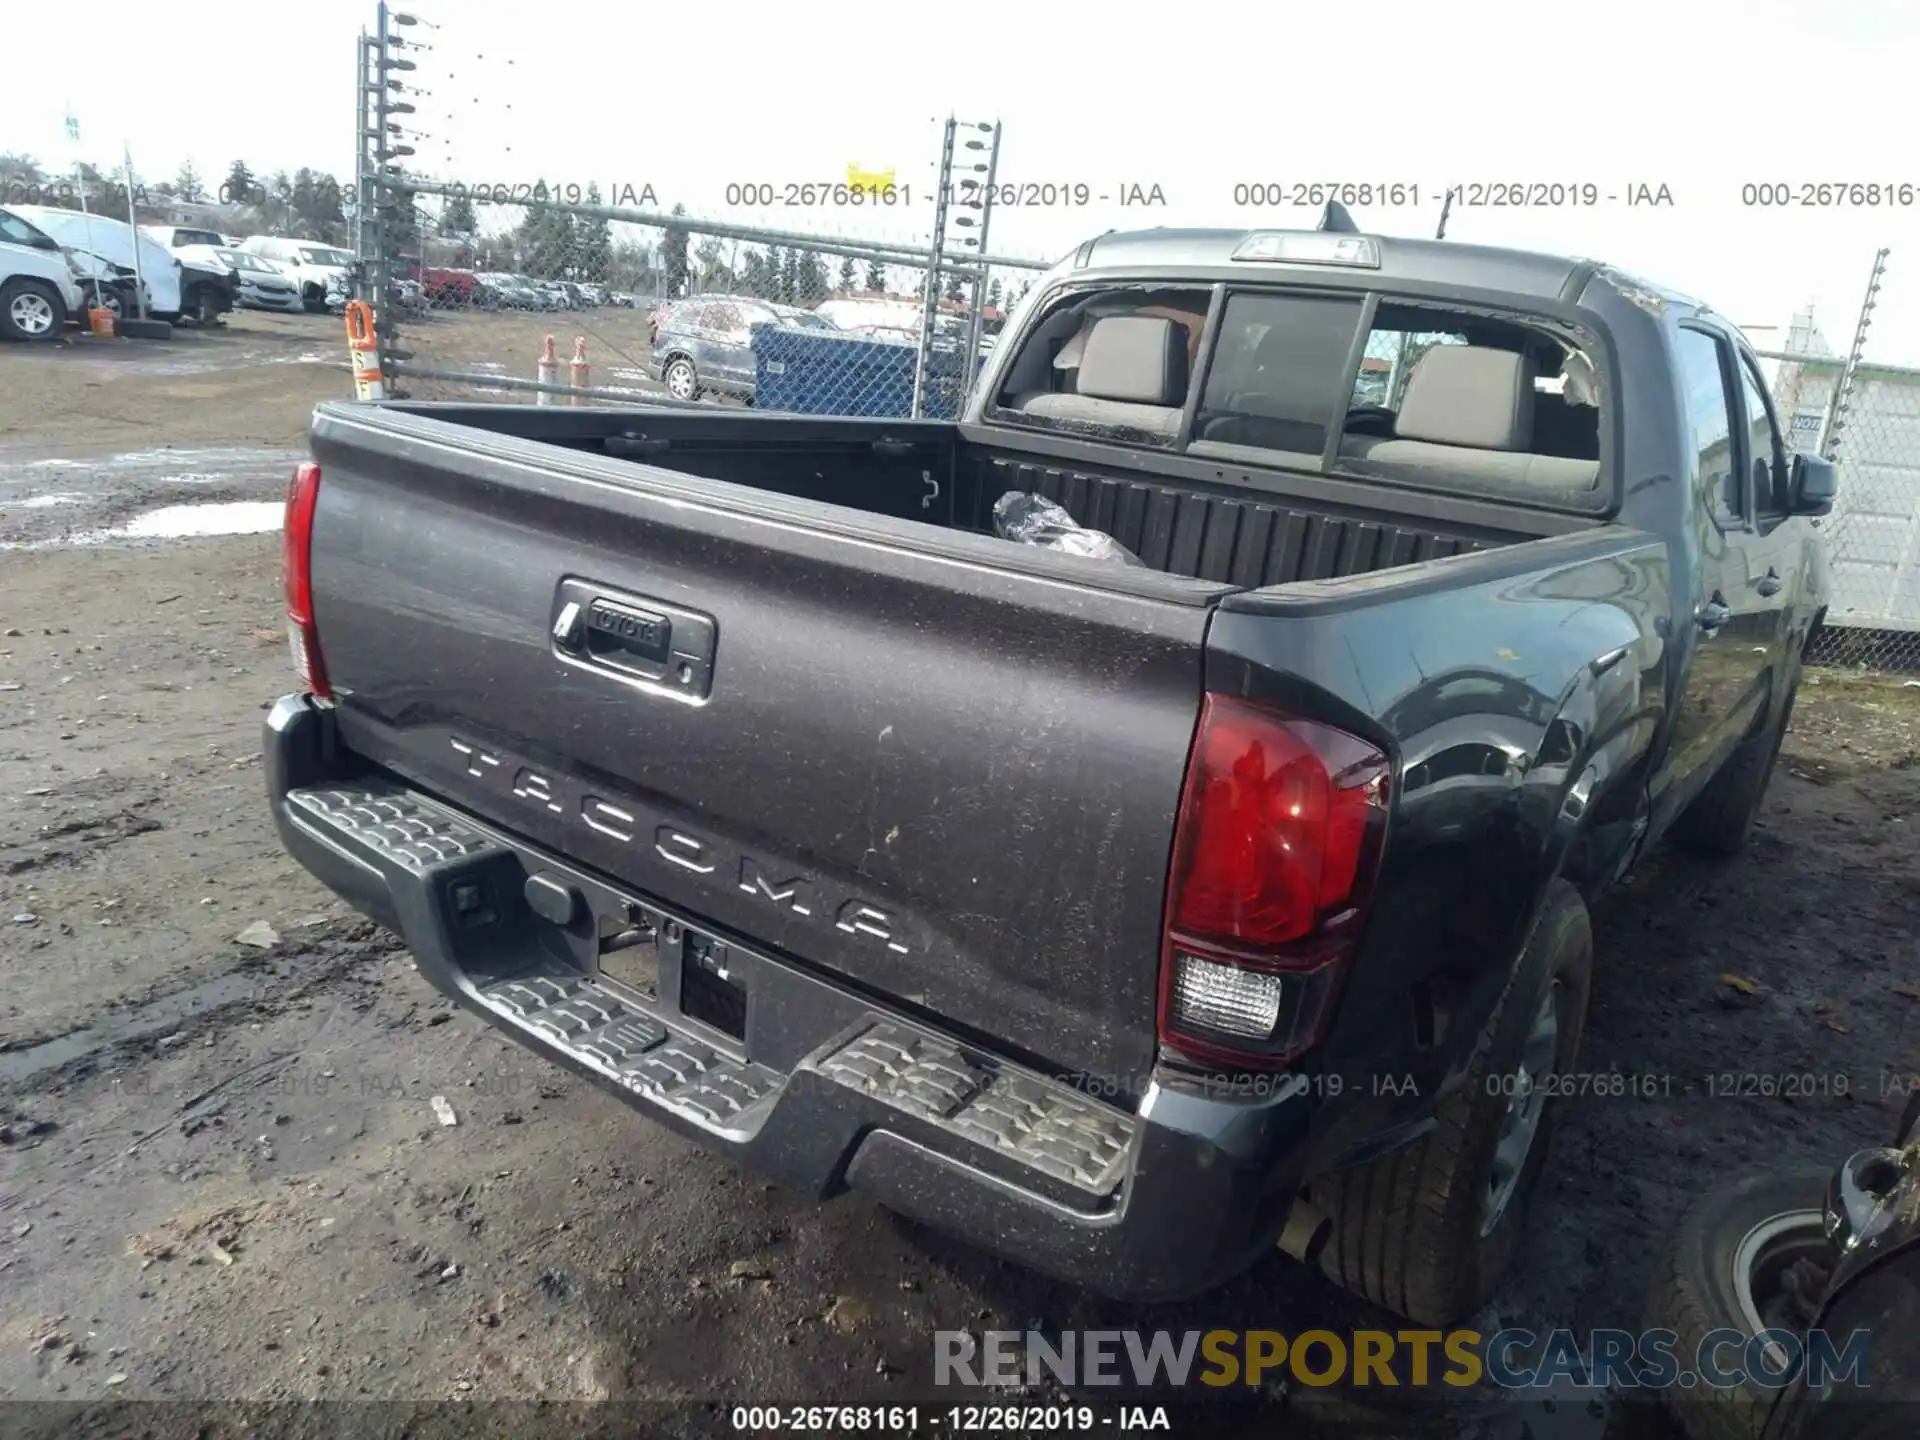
1517, 692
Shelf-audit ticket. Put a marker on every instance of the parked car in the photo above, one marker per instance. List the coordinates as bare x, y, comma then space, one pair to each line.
508, 292
323, 272
705, 345
553, 294
39, 282
177, 288
1124, 919
449, 289
179, 237
264, 284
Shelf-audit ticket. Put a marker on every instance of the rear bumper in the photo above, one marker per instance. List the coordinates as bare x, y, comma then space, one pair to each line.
819, 1087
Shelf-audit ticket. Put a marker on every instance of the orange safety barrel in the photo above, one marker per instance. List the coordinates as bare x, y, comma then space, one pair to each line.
364, 348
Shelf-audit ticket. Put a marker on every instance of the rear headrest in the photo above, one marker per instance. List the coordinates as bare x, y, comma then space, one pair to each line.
1141, 359
1469, 395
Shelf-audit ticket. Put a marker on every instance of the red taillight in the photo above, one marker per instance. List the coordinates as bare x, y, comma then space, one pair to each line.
1278, 835
303, 634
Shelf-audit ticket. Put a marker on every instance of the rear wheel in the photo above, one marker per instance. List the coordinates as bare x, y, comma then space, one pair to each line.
31, 310
1428, 1230
681, 381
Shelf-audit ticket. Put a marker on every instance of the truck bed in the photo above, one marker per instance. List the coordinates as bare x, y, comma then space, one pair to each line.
1198, 518
942, 767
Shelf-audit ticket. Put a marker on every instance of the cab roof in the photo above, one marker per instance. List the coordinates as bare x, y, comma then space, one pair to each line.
1426, 263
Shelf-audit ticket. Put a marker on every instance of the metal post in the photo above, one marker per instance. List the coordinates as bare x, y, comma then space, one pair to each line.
1843, 390
360, 177
930, 307
133, 222
378, 278
86, 221
980, 281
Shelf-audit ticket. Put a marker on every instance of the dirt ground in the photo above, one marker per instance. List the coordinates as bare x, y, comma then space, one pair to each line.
222, 1176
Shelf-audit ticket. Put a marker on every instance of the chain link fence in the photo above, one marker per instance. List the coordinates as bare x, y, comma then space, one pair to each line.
644, 308
1865, 416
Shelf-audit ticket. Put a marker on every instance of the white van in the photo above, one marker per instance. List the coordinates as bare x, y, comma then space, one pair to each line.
321, 270
39, 289
114, 241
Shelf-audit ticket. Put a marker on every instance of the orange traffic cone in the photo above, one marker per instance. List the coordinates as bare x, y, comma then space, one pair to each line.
577, 369
547, 372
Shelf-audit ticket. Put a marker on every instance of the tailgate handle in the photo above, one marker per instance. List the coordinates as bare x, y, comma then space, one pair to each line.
637, 445
648, 643
894, 448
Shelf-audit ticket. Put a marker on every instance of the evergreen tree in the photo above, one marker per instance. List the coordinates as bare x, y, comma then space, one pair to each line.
848, 275
877, 277
814, 280
457, 217
754, 278
239, 186
594, 237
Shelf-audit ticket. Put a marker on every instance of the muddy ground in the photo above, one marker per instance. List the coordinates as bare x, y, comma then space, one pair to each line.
222, 1176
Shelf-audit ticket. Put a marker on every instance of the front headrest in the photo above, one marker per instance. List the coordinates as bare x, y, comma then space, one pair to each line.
1141, 359
1469, 395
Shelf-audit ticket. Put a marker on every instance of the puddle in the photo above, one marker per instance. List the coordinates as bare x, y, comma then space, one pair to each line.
162, 1017
41, 502
178, 522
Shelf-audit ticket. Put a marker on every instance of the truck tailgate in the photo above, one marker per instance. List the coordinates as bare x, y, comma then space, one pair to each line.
936, 765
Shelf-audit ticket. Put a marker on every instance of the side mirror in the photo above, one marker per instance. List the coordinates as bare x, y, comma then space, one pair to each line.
1811, 485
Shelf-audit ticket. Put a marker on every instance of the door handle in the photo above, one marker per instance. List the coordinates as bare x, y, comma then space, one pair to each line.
893, 449
1770, 583
1714, 614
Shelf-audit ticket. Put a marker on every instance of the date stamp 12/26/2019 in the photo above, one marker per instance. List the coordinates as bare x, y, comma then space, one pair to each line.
1468, 194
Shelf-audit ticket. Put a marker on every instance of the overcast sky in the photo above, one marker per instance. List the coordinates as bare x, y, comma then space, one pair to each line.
1702, 96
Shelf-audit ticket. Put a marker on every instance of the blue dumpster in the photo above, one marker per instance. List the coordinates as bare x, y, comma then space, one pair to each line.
815, 372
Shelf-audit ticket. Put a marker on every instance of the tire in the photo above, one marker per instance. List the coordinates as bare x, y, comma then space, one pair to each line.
31, 310
204, 306
680, 378
1697, 1287
1429, 1230
143, 329
1720, 817
1885, 1302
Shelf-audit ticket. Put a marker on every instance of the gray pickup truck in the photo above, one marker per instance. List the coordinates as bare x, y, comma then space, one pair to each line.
1126, 919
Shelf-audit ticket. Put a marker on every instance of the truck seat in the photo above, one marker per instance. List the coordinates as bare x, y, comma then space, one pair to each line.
1469, 411
1132, 375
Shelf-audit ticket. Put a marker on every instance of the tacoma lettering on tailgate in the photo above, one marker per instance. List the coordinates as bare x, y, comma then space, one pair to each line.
629, 823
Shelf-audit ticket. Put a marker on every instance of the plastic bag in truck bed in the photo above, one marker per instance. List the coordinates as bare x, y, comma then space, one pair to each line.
1030, 519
